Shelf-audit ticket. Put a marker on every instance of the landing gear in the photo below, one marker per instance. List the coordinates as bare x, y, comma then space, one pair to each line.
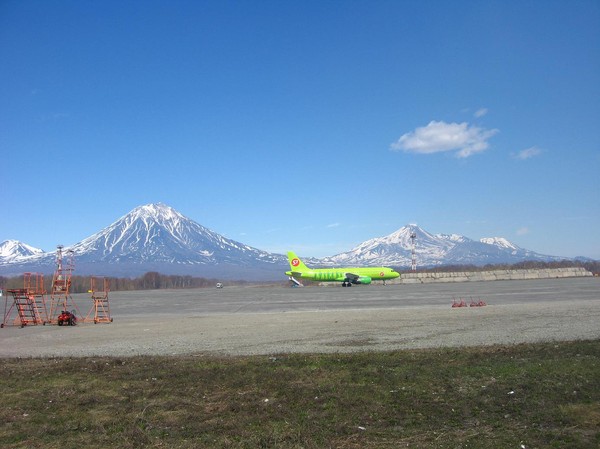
346, 284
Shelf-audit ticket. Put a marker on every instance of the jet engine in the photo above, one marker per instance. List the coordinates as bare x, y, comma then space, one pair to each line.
363, 280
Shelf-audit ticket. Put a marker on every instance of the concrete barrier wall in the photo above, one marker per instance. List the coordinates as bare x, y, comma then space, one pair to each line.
496, 275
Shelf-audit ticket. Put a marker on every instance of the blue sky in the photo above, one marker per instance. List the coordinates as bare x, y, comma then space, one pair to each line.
304, 125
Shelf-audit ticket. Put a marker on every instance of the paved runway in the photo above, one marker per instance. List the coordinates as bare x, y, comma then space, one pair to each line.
236, 300
277, 319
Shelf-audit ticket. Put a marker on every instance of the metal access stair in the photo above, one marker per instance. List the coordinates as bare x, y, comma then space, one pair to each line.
29, 311
100, 311
295, 282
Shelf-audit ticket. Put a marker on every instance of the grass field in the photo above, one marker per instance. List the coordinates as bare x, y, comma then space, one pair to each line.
525, 396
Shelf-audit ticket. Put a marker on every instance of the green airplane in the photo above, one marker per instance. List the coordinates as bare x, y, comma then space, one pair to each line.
347, 276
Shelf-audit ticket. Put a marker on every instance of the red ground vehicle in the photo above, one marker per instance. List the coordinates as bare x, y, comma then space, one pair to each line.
67, 318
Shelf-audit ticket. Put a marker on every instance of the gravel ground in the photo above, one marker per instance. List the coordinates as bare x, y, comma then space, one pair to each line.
246, 321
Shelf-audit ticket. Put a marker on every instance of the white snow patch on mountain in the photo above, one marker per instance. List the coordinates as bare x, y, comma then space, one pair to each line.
500, 242
13, 250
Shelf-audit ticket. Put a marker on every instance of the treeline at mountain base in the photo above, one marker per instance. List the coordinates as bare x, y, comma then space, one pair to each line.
149, 281
154, 280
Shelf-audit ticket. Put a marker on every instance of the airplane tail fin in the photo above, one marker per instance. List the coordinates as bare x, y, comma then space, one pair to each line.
296, 264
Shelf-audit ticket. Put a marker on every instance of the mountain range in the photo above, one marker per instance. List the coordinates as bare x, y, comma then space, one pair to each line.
433, 250
155, 237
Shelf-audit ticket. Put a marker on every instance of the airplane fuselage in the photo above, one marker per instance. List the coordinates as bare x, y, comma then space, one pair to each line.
339, 274
347, 276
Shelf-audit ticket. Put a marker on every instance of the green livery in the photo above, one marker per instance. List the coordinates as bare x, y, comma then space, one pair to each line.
347, 276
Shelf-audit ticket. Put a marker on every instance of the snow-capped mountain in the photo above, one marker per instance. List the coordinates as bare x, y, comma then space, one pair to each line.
158, 233
13, 250
433, 249
156, 237
393, 249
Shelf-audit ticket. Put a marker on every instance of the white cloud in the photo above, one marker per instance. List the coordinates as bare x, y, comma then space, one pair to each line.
333, 225
528, 153
480, 112
523, 230
436, 137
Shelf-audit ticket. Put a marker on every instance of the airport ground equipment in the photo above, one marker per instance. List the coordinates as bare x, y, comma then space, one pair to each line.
60, 293
459, 303
463, 303
27, 304
295, 282
67, 318
100, 311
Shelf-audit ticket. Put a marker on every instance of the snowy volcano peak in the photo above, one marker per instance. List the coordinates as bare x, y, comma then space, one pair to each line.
155, 214
155, 211
158, 234
394, 249
403, 236
149, 231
